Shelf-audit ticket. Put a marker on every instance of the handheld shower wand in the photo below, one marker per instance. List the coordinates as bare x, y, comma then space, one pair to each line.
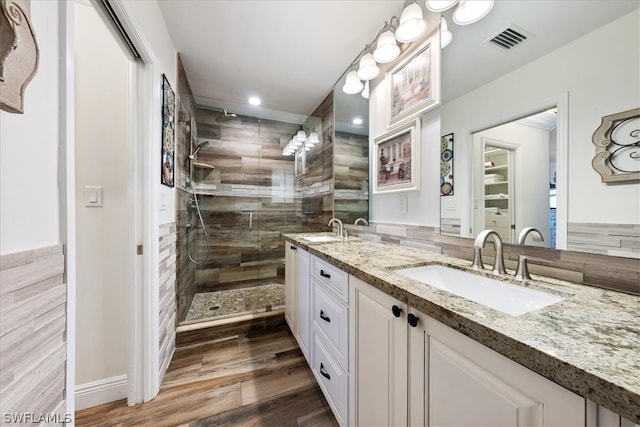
192, 156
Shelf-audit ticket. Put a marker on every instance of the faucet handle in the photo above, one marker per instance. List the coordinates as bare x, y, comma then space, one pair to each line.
522, 271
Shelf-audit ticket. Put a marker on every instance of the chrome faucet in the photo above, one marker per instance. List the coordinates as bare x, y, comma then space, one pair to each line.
359, 220
522, 271
339, 232
481, 239
535, 235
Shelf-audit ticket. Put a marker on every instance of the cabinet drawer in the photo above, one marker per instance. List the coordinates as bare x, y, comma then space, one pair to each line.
331, 378
497, 221
331, 319
335, 279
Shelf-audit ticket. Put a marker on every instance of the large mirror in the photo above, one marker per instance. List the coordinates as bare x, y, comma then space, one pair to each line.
522, 120
351, 155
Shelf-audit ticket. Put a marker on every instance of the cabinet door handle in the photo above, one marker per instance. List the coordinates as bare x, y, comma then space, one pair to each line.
324, 317
413, 320
323, 373
323, 274
293, 248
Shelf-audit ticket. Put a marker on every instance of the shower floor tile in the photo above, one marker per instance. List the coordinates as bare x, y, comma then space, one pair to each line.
234, 302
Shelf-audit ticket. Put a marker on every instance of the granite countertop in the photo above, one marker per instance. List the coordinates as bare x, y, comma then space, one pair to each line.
588, 343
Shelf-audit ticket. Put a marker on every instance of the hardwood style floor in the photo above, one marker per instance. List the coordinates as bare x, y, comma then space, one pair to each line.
257, 377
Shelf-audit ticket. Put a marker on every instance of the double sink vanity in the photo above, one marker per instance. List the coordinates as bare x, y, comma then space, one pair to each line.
401, 336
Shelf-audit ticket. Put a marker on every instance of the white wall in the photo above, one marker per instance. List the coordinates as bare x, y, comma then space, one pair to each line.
102, 81
600, 74
147, 17
29, 142
423, 206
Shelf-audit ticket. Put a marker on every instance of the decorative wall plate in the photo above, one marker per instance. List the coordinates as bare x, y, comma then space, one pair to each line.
18, 53
617, 142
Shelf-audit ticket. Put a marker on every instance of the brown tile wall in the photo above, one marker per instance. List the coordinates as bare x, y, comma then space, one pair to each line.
317, 184
247, 201
617, 273
351, 174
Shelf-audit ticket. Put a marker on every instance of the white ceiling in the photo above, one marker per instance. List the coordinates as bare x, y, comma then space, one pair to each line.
291, 52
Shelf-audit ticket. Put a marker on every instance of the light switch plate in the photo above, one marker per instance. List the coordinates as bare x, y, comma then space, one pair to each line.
402, 201
93, 196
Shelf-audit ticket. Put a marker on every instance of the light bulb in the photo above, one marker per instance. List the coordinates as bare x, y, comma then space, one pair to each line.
440, 5
368, 68
352, 83
387, 49
472, 11
412, 24
445, 34
365, 91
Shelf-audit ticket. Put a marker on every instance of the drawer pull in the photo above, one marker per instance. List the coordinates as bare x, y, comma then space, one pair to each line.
324, 317
323, 274
412, 319
293, 248
323, 373
397, 311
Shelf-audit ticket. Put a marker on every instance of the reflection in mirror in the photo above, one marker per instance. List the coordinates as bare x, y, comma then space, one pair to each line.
351, 155
514, 178
586, 67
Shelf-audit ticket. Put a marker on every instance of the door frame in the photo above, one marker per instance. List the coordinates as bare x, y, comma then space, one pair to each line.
144, 99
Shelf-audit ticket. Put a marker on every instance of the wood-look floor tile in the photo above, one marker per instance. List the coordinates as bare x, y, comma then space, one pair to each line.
257, 377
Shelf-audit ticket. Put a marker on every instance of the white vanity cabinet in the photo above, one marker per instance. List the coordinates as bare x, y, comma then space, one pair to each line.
378, 357
329, 317
297, 295
457, 381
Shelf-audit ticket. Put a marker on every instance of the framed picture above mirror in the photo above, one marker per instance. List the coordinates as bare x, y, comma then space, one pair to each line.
414, 83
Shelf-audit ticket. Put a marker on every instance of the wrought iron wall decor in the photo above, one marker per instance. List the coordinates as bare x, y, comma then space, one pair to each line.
18, 53
617, 142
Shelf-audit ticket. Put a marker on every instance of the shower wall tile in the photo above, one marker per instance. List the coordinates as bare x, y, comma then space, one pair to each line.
248, 201
185, 286
33, 332
168, 308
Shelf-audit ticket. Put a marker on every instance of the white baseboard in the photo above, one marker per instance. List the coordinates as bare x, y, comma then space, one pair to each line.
101, 391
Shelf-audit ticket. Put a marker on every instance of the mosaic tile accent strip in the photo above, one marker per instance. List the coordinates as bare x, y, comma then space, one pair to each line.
234, 302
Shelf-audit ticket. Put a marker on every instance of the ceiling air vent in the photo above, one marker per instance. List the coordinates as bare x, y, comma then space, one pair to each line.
510, 38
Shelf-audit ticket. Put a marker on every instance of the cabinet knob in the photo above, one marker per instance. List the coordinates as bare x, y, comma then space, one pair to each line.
397, 311
413, 320
323, 373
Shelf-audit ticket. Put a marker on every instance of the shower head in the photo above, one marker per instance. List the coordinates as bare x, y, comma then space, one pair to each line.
192, 156
226, 117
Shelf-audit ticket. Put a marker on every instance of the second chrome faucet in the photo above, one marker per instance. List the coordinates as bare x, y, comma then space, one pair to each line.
340, 231
481, 239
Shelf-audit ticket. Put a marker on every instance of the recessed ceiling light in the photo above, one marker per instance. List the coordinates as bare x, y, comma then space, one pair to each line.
254, 100
357, 121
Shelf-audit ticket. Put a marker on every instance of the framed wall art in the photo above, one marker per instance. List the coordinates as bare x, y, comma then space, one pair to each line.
446, 165
414, 83
397, 164
168, 133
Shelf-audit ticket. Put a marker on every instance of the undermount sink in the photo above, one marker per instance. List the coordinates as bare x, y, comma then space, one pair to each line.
317, 239
505, 297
